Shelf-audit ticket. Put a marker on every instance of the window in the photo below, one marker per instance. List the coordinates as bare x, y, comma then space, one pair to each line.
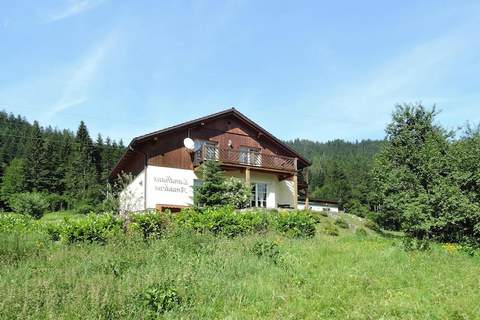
259, 195
209, 148
250, 156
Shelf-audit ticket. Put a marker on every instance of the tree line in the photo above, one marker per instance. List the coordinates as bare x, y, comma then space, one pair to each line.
68, 167
340, 169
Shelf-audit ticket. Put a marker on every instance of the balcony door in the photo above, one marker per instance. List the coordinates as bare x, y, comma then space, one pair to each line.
259, 195
250, 156
208, 149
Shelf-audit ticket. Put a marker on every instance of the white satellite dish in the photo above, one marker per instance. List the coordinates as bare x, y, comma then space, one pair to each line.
189, 144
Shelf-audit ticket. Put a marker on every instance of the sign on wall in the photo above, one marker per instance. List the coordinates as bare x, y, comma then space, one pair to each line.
169, 186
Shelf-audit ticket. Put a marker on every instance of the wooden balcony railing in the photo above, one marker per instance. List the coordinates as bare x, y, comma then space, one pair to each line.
244, 158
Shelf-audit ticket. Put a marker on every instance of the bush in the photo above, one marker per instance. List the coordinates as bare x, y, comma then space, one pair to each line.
330, 230
372, 225
15, 222
222, 221
56, 202
342, 223
265, 248
412, 244
93, 228
295, 224
324, 213
160, 298
237, 192
361, 232
358, 209
315, 216
84, 209
33, 204
151, 224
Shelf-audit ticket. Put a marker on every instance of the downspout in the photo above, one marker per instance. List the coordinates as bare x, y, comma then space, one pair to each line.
145, 165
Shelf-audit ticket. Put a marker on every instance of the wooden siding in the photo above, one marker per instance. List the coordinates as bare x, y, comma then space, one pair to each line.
168, 150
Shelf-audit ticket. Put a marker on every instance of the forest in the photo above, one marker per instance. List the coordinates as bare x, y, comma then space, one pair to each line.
67, 169
340, 169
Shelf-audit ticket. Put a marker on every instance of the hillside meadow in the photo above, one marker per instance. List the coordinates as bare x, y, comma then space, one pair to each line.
268, 274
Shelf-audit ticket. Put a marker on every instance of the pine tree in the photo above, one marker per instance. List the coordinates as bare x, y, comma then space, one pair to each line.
37, 174
212, 190
81, 175
98, 157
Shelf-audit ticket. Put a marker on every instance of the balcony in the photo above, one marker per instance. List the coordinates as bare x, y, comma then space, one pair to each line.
242, 158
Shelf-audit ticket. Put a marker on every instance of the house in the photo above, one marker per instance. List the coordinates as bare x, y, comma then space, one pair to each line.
165, 163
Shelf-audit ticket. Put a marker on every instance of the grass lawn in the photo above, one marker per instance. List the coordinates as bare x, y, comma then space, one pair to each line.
207, 277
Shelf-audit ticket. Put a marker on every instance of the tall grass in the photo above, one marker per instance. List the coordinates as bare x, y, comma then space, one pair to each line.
190, 275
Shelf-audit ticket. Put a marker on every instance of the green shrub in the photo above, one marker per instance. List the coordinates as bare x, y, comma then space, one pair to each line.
93, 228
222, 221
84, 209
324, 213
315, 216
15, 222
330, 230
151, 224
56, 202
265, 248
33, 204
342, 223
295, 224
361, 232
468, 249
53, 230
372, 225
412, 244
358, 209
237, 192
160, 298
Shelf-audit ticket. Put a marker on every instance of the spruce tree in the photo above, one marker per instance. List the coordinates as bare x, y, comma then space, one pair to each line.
37, 174
81, 176
212, 190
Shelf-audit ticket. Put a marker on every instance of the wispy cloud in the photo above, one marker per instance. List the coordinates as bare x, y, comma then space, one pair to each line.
411, 76
73, 8
83, 76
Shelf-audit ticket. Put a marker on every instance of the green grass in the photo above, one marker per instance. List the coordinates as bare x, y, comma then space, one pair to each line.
60, 216
326, 277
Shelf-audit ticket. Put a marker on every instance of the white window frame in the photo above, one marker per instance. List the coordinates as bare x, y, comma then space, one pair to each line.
250, 156
256, 199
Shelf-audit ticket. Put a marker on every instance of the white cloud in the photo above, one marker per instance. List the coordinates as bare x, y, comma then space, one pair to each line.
73, 8
416, 75
82, 76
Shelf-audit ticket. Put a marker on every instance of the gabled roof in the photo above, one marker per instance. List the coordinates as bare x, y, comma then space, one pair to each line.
188, 124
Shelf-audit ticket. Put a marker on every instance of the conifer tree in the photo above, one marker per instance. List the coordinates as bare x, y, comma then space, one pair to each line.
212, 190
37, 174
81, 175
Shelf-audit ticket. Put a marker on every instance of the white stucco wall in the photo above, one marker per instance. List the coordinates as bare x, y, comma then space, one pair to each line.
278, 192
132, 197
171, 186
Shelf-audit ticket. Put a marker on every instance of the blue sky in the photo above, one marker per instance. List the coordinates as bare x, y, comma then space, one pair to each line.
313, 69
